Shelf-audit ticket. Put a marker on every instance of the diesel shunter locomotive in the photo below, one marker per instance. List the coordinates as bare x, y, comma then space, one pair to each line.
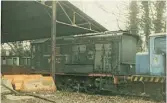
104, 61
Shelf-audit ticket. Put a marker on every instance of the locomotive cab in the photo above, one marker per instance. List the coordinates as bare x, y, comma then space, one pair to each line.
157, 52
153, 62
151, 67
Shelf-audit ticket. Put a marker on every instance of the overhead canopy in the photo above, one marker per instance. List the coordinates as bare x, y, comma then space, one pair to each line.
26, 20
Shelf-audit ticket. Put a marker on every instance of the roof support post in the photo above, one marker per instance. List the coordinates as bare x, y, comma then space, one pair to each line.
74, 18
53, 39
65, 12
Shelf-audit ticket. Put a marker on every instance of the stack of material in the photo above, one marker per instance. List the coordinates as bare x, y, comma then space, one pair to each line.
30, 83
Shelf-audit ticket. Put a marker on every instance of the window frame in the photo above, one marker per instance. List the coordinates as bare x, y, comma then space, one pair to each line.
156, 42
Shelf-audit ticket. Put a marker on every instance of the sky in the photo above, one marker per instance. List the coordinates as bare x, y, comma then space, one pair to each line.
107, 13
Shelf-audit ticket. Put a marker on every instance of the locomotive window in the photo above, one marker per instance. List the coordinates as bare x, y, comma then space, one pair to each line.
82, 48
9, 61
14, 61
160, 44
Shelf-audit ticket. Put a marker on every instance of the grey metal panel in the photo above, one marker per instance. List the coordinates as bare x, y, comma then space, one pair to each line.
129, 49
142, 63
127, 70
98, 59
75, 57
82, 48
106, 57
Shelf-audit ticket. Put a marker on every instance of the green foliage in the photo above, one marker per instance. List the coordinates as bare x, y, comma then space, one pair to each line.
16, 49
133, 26
147, 17
160, 10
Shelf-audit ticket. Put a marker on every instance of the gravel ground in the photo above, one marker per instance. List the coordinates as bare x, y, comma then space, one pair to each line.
68, 97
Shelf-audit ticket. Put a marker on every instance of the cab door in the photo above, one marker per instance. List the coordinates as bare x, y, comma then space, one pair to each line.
157, 55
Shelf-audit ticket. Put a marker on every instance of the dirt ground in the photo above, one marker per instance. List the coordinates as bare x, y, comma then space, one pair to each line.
71, 97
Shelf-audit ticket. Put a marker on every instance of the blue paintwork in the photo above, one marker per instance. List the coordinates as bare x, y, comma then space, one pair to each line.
157, 61
142, 63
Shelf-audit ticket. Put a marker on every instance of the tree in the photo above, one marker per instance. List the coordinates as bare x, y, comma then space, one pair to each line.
146, 20
3, 51
19, 48
133, 26
158, 22
16, 48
